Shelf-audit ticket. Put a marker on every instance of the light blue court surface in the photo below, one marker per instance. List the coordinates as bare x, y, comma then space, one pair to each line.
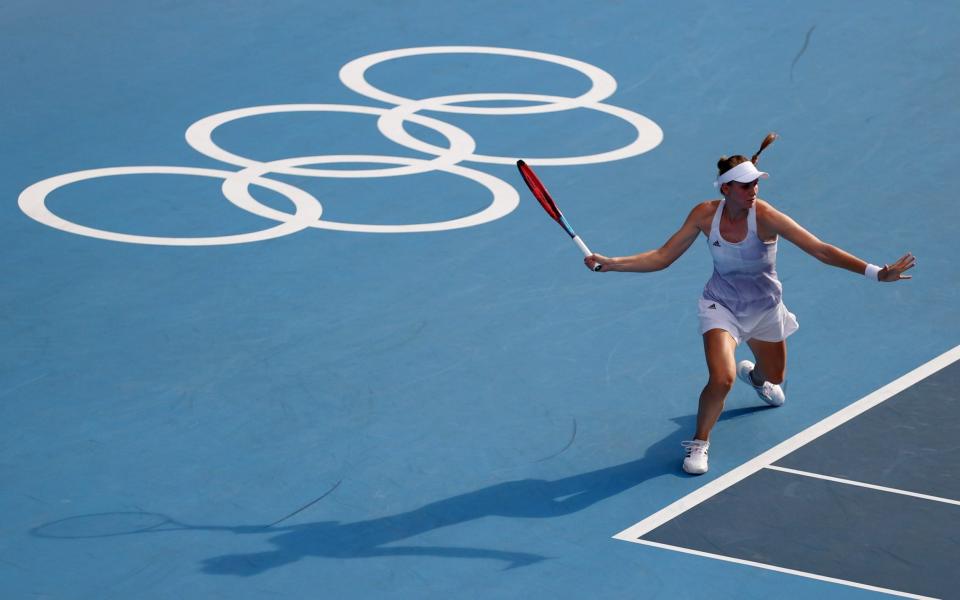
424, 393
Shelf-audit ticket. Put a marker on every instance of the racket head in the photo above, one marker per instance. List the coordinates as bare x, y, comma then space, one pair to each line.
539, 191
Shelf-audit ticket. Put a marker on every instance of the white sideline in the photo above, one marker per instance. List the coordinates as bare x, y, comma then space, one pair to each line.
864, 485
740, 561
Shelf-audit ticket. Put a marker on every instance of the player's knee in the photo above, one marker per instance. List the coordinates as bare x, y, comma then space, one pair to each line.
721, 382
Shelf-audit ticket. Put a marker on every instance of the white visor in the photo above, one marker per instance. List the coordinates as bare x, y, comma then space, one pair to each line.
745, 172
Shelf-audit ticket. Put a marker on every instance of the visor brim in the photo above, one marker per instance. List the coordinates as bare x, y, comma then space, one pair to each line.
752, 177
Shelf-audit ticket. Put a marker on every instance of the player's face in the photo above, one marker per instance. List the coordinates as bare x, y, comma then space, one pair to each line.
743, 194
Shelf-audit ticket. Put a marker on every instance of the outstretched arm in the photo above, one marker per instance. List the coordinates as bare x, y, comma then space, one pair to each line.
783, 225
654, 260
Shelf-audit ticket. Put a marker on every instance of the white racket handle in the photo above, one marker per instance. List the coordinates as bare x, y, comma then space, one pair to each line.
585, 250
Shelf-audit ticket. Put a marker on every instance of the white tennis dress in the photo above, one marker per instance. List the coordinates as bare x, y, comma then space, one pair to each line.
744, 296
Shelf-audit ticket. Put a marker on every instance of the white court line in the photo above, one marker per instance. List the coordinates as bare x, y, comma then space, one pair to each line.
739, 561
864, 485
779, 451
636, 531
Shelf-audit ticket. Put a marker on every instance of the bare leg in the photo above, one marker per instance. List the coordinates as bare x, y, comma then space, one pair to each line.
719, 348
771, 360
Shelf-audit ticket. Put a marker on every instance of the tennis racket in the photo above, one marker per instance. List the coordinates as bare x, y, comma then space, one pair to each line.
546, 201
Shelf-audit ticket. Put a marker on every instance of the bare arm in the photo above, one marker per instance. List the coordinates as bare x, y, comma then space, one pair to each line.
783, 225
654, 260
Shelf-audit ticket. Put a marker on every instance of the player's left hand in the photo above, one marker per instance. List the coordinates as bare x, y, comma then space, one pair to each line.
894, 272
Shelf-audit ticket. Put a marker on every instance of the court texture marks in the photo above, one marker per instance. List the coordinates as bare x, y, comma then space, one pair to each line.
281, 321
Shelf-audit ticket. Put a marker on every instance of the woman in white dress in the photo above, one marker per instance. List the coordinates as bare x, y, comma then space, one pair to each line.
742, 300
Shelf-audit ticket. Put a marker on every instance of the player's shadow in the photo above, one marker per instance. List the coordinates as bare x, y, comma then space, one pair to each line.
527, 498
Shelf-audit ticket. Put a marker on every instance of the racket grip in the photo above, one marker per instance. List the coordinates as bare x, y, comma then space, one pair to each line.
584, 249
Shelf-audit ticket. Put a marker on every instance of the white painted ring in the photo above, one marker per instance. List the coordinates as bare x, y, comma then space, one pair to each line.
32, 202
200, 136
603, 85
505, 196
648, 134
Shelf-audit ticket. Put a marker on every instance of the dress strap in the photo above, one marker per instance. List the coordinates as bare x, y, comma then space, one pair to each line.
715, 225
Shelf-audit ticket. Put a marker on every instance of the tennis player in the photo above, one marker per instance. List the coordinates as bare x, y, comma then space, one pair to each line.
742, 301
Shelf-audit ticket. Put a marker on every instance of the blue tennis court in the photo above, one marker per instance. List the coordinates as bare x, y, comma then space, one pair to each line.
282, 319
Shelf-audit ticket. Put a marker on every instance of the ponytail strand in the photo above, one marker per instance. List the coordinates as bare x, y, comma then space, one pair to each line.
771, 137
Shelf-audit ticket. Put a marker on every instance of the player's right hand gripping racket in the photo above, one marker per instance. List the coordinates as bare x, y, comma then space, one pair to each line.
543, 197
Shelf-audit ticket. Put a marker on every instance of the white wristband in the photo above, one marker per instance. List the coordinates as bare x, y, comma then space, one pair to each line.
872, 273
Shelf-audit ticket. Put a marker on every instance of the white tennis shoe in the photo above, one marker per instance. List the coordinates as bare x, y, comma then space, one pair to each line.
770, 393
695, 462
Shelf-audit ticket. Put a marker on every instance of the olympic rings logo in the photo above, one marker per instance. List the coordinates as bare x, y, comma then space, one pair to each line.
390, 122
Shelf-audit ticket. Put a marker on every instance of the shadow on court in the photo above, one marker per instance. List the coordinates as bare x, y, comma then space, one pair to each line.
526, 498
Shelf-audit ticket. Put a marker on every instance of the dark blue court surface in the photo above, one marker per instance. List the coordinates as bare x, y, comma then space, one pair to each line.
281, 320
872, 502
898, 444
